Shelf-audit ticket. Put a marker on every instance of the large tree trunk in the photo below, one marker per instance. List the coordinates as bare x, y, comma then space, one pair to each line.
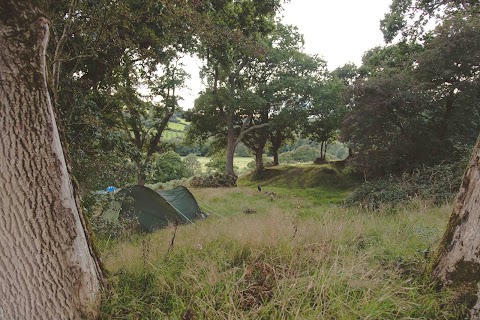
141, 175
48, 269
458, 262
259, 167
275, 158
276, 141
141, 178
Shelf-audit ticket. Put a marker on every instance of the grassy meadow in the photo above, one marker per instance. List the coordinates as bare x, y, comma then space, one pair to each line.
175, 130
290, 251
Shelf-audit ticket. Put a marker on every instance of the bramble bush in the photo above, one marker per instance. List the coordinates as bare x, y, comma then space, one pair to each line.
216, 180
438, 183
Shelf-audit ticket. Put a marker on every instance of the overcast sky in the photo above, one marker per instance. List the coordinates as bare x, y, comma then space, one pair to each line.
339, 31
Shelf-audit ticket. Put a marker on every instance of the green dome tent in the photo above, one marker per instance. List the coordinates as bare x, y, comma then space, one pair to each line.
154, 210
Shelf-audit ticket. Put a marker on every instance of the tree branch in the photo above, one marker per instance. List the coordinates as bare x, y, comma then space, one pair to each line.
255, 127
58, 52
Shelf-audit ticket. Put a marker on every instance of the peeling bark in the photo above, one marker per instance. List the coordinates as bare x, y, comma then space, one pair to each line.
458, 261
48, 269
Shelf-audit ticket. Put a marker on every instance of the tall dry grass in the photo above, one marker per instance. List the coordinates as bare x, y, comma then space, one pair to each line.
289, 260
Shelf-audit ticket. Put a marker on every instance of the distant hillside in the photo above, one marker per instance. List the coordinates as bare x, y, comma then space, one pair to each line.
176, 129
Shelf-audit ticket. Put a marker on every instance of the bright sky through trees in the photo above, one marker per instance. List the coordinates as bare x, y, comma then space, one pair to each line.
339, 31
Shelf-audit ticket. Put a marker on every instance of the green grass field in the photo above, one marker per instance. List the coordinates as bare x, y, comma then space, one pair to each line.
175, 130
297, 254
183, 121
177, 126
168, 135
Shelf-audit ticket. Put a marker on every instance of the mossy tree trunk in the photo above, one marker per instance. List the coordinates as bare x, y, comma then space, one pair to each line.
48, 268
458, 261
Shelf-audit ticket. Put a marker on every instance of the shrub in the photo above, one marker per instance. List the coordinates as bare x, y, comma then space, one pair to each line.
217, 162
214, 181
124, 226
301, 154
167, 166
172, 184
371, 195
192, 165
439, 183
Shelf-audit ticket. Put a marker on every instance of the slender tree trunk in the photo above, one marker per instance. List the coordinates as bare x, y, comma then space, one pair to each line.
458, 261
48, 269
323, 150
447, 116
230, 150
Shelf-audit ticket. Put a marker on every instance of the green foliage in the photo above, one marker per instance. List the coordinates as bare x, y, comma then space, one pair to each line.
439, 184
337, 151
347, 73
217, 163
389, 60
416, 105
122, 229
242, 151
309, 152
192, 165
408, 18
172, 184
96, 151
251, 79
183, 148
167, 166
95, 73
265, 159
286, 80
301, 154
111, 168
298, 141
371, 195
326, 111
